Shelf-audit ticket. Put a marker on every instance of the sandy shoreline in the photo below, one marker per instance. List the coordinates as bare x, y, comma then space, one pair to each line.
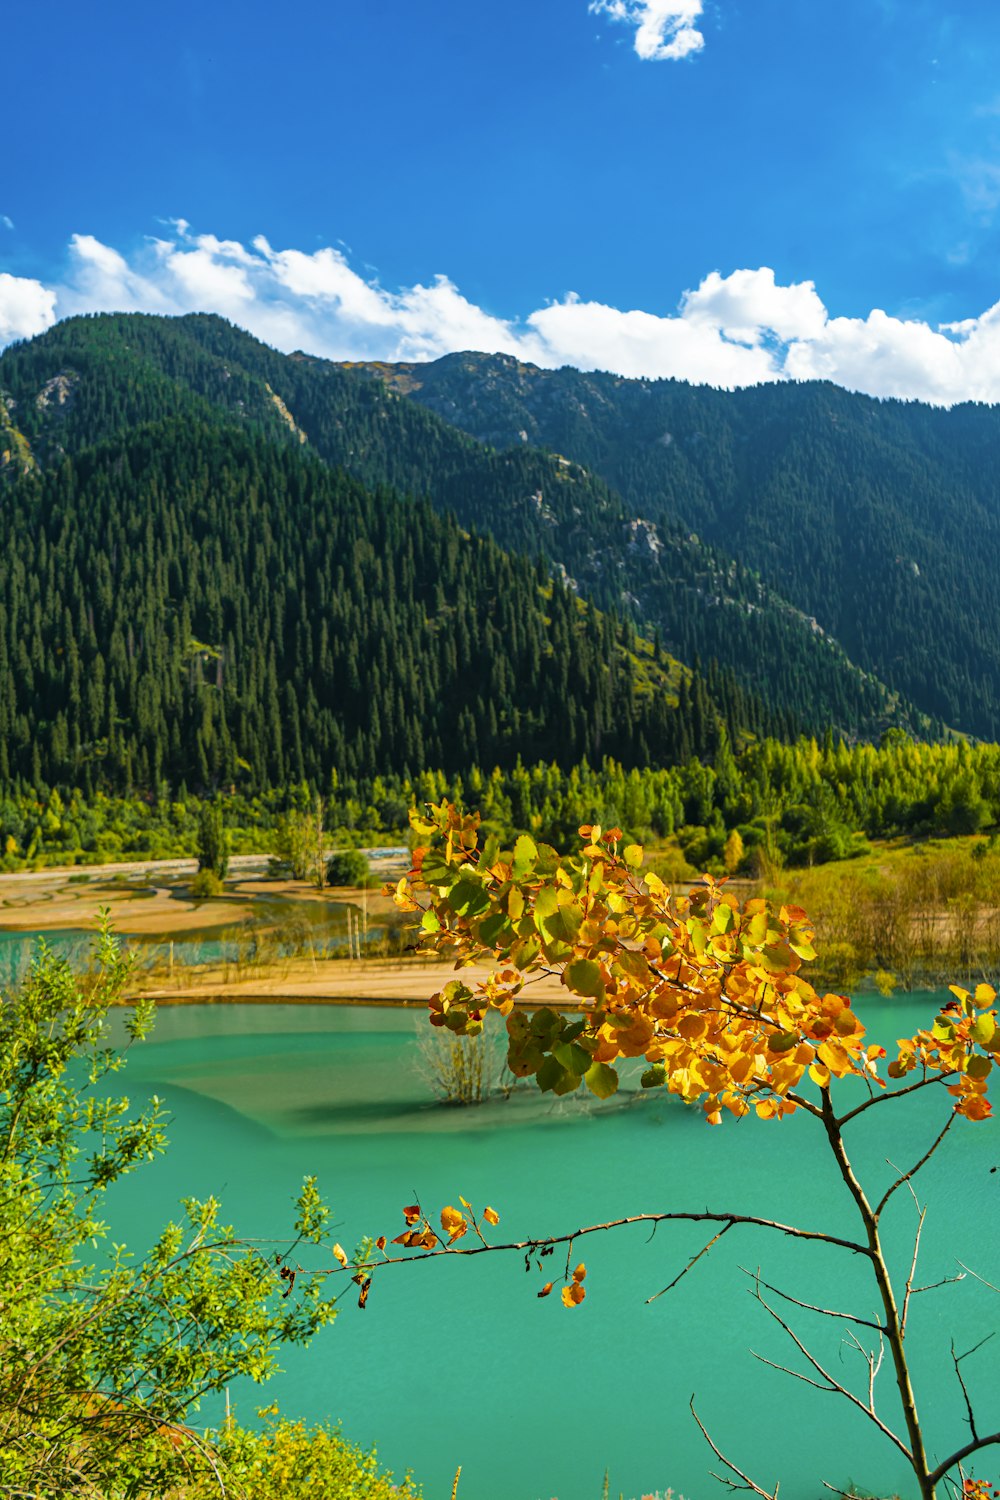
336, 982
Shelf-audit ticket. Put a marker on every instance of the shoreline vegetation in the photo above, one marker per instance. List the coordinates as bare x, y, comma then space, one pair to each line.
906, 915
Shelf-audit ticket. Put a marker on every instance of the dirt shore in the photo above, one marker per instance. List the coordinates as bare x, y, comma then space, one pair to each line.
334, 982
152, 900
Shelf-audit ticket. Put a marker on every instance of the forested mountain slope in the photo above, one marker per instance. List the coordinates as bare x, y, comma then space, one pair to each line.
881, 519
89, 379
197, 603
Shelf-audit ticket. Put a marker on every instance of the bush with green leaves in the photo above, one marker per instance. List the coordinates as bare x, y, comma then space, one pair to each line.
105, 1355
347, 867
285, 1459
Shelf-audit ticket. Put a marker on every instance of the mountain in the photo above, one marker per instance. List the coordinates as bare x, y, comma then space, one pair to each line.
90, 379
199, 598
878, 520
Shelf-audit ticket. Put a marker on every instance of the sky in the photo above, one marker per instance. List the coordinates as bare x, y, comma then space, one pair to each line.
723, 191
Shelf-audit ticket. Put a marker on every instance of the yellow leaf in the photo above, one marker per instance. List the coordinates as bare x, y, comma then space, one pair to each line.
573, 1294
339, 1252
453, 1223
580, 1274
491, 1216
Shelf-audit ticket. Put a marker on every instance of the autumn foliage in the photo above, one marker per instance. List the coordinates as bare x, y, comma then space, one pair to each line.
709, 991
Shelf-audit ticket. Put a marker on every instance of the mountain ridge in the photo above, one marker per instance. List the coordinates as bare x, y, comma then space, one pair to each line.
699, 601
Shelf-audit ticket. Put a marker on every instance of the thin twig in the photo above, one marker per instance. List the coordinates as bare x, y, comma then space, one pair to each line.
748, 1483
835, 1385
692, 1262
921, 1163
907, 1294
893, 1094
957, 1361
827, 1312
976, 1274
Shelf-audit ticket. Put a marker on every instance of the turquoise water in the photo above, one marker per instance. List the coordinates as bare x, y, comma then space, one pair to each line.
314, 928
457, 1362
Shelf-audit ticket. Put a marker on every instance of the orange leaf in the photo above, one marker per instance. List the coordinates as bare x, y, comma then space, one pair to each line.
580, 1273
453, 1223
412, 1213
491, 1216
546, 1289
573, 1294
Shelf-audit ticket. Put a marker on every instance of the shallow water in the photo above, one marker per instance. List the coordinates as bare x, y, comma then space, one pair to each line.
459, 1362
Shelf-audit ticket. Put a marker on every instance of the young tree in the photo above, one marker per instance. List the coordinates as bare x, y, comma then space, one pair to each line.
213, 841
104, 1355
712, 996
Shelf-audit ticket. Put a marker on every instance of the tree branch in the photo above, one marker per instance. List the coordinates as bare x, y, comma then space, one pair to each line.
956, 1458
827, 1312
544, 1242
692, 1262
906, 1176
835, 1386
748, 1483
893, 1094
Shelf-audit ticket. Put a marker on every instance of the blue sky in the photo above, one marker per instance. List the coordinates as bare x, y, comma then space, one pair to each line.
725, 190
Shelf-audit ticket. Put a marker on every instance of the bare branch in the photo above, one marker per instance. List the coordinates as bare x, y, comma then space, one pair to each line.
956, 1360
795, 1374
827, 1312
911, 1088
976, 1274
907, 1294
835, 1385
692, 1262
932, 1286
748, 1483
905, 1178
956, 1458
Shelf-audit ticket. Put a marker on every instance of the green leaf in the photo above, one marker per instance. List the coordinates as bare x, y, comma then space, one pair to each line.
550, 1074
632, 855
525, 855
654, 1077
573, 1059
524, 952
546, 1025
491, 852
983, 1029
601, 1080
490, 929
467, 898
979, 1067
583, 977
723, 918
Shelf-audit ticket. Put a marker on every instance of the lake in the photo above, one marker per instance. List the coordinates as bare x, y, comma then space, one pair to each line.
458, 1362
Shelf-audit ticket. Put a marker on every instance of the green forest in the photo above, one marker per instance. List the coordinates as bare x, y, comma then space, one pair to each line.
804, 803
91, 379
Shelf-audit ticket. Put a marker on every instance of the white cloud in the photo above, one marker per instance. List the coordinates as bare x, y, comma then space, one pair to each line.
665, 30
26, 308
740, 329
748, 303
6, 222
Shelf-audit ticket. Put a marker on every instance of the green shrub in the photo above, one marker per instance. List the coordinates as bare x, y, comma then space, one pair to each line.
205, 885
347, 867
288, 1459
